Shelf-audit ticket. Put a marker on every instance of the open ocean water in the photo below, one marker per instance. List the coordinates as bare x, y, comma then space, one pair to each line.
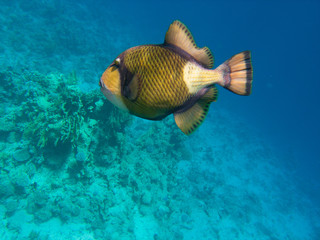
72, 166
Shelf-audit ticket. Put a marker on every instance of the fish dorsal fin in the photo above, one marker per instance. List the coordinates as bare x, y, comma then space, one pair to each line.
179, 35
189, 120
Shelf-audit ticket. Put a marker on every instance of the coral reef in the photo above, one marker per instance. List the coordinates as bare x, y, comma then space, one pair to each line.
78, 138
6, 188
21, 155
57, 116
75, 160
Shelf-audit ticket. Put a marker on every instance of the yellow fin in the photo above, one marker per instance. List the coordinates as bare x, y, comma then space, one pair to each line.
189, 120
179, 35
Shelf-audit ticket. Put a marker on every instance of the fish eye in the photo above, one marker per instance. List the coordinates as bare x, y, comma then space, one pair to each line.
117, 61
115, 64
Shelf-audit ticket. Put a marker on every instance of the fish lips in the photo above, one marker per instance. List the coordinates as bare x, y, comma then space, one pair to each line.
106, 92
101, 84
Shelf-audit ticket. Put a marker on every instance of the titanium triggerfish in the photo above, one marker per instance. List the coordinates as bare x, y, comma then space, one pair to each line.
154, 81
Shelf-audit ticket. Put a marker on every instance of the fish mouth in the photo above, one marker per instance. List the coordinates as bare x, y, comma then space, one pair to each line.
101, 83
116, 100
105, 90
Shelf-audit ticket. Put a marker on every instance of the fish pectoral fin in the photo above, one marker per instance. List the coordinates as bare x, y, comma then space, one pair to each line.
179, 35
132, 89
189, 120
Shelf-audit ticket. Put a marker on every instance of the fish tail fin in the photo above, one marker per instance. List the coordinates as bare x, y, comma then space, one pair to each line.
237, 74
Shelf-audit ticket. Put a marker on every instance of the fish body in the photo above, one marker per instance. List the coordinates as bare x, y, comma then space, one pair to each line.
154, 81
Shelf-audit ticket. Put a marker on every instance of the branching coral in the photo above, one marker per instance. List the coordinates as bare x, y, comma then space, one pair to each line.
53, 112
59, 114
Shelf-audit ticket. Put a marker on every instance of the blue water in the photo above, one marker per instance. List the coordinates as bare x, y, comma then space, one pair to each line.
74, 167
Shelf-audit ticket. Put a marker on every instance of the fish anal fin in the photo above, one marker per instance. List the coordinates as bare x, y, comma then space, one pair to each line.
189, 120
179, 35
210, 96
